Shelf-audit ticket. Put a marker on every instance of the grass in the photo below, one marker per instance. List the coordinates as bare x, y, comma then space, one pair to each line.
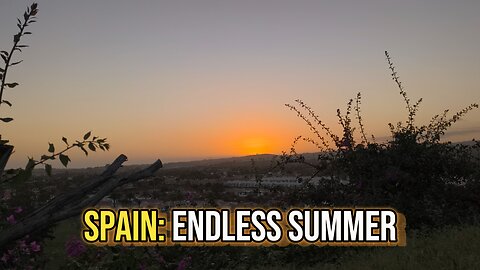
54, 249
448, 248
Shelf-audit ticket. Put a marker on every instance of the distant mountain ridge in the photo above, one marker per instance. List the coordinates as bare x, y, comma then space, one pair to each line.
218, 161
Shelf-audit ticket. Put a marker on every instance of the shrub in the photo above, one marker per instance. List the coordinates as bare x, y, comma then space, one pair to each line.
431, 181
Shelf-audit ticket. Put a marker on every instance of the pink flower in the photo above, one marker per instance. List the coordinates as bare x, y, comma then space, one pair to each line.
34, 246
5, 258
22, 245
75, 247
18, 210
160, 259
7, 195
184, 263
11, 219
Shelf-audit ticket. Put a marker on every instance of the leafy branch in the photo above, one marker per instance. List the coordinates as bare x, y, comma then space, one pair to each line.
438, 124
430, 133
412, 109
86, 145
358, 101
316, 119
89, 142
28, 18
93, 144
69, 203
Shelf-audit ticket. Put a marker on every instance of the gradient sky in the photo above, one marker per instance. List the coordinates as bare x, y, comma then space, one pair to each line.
181, 80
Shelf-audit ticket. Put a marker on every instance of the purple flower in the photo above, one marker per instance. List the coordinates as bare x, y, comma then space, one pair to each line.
7, 195
22, 244
5, 258
184, 263
18, 210
34, 246
160, 259
74, 247
11, 219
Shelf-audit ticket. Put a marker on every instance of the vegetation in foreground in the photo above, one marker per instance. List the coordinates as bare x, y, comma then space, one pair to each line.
446, 248
435, 184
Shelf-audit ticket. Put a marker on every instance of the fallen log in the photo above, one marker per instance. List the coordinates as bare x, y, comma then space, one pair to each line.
72, 203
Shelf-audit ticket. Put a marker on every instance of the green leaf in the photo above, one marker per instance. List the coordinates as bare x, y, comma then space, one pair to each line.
16, 38
84, 151
23, 175
87, 135
65, 141
6, 119
48, 169
51, 148
30, 165
64, 159
11, 85
92, 147
107, 146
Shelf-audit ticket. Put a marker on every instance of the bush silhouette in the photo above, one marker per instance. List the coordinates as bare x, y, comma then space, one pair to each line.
433, 182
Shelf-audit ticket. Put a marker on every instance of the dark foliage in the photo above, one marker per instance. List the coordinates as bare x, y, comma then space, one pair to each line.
432, 182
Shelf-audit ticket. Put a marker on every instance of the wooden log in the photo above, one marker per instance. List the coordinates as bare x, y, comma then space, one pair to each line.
72, 203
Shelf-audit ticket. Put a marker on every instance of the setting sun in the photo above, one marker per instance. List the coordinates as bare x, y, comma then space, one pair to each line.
254, 145
205, 134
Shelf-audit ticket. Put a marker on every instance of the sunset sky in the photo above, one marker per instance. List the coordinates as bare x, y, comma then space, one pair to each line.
183, 80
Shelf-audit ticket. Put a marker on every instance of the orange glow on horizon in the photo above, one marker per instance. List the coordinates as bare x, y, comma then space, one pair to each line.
254, 145
250, 135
